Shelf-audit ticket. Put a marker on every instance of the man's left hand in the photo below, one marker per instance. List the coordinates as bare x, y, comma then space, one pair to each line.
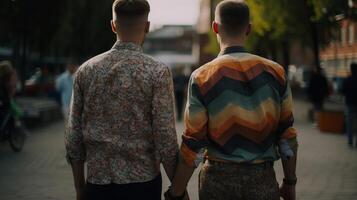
288, 192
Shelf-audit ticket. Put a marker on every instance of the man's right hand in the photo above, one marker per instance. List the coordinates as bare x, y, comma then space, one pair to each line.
288, 192
169, 196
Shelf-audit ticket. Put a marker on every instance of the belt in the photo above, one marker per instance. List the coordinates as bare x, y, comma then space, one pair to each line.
265, 165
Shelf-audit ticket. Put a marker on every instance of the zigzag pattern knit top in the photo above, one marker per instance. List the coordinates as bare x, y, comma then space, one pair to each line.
239, 107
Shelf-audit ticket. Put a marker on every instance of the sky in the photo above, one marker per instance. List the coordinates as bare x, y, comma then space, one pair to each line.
173, 12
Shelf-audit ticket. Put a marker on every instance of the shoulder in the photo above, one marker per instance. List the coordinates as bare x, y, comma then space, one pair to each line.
156, 67
88, 66
270, 64
242, 62
202, 71
96, 60
153, 62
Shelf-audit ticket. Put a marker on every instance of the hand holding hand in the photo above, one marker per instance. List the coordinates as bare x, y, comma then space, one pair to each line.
288, 192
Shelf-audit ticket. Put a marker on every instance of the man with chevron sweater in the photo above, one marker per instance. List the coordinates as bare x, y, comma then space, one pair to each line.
238, 120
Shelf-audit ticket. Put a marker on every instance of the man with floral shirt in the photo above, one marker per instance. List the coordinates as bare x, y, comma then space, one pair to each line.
121, 120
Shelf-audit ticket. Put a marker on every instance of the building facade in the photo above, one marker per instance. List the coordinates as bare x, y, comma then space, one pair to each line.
174, 45
341, 52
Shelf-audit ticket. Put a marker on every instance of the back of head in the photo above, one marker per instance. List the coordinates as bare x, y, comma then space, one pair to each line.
354, 69
234, 16
72, 65
6, 71
128, 14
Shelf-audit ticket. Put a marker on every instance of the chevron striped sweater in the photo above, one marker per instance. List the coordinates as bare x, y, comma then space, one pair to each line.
239, 108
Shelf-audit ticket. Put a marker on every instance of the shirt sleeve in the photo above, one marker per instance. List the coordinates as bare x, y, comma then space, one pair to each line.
163, 113
285, 129
58, 84
194, 139
73, 136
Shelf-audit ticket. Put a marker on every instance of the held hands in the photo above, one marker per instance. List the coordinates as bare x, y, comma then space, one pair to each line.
170, 196
287, 191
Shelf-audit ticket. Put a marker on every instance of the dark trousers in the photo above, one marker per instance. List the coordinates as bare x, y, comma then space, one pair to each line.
134, 191
351, 121
179, 103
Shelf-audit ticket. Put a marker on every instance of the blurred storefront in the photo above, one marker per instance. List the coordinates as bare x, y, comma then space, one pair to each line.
173, 45
341, 52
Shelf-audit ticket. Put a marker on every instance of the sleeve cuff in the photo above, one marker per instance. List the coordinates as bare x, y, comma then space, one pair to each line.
71, 159
189, 157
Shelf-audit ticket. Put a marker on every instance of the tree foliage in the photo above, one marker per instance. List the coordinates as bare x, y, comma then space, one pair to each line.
310, 22
66, 28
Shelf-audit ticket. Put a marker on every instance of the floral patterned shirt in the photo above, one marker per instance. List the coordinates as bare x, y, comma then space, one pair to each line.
121, 119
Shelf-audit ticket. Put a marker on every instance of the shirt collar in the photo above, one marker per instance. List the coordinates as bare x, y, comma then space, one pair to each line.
232, 49
127, 46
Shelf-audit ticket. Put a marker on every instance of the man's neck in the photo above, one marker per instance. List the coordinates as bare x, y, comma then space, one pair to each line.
136, 41
225, 43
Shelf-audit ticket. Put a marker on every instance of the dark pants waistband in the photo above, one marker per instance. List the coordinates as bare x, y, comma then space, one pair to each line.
264, 165
150, 190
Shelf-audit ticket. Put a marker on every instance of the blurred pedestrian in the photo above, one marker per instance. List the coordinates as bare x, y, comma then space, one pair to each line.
8, 106
8, 83
121, 119
238, 117
318, 89
349, 89
64, 85
180, 85
9, 80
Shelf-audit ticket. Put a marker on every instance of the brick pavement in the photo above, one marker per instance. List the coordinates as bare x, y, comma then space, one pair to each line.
327, 168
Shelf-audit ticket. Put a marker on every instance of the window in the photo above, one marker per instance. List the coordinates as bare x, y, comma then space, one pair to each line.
343, 35
351, 34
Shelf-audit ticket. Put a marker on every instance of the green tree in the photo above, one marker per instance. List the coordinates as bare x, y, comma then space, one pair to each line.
311, 22
85, 28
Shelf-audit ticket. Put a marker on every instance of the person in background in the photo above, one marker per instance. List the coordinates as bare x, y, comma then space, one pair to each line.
8, 86
349, 90
180, 85
318, 89
238, 120
64, 85
122, 119
7, 89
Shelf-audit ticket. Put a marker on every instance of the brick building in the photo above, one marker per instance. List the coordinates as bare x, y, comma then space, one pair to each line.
341, 52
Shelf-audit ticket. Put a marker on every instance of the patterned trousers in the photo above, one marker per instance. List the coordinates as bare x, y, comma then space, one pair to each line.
229, 181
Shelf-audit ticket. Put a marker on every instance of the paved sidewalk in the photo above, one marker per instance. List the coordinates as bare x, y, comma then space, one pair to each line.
327, 168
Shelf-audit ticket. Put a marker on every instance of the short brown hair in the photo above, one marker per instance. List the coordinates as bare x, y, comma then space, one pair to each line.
128, 11
234, 15
6, 71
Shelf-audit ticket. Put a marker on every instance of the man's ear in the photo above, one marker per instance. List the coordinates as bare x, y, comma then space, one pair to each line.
114, 26
215, 27
249, 29
147, 27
